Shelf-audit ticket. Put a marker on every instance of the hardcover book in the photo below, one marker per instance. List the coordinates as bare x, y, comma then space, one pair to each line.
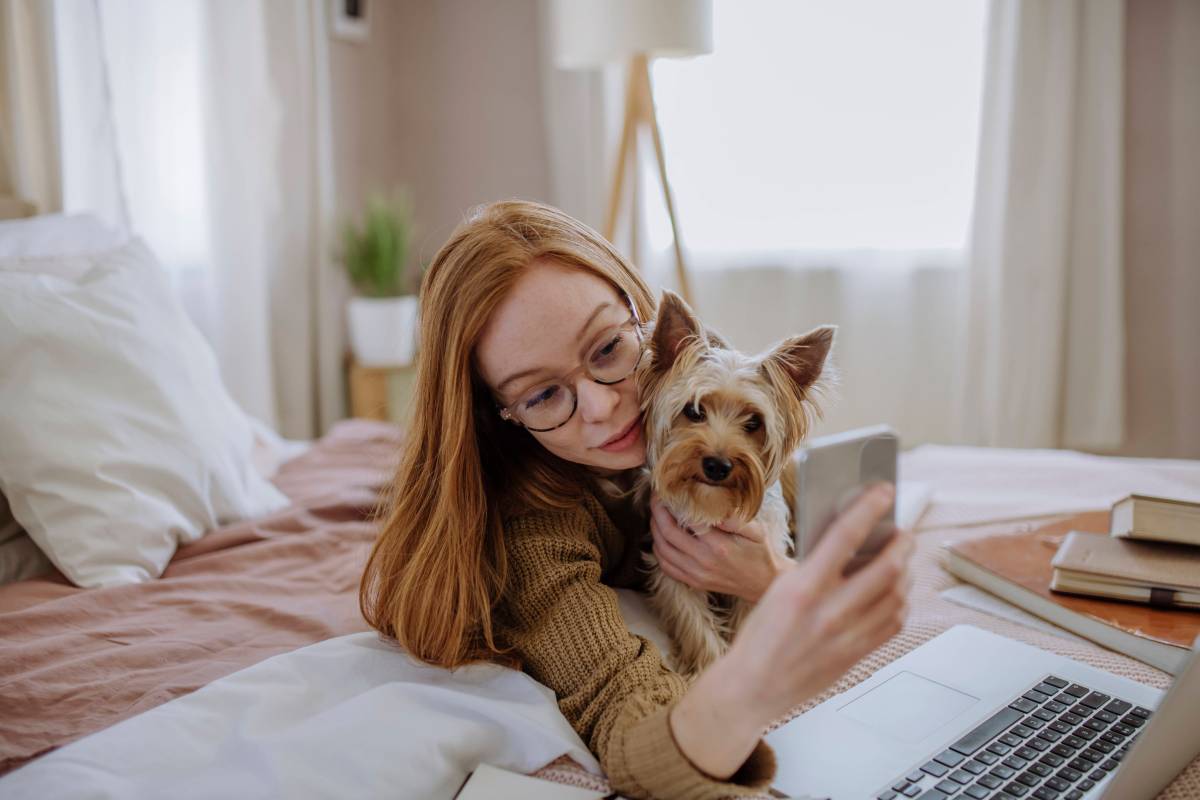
1158, 518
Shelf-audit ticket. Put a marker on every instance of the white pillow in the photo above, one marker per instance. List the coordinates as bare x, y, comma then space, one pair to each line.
120, 441
57, 235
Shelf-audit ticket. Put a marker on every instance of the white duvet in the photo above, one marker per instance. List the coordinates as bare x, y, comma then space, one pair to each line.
349, 718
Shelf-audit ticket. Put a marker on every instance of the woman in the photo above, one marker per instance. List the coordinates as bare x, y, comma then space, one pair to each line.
501, 542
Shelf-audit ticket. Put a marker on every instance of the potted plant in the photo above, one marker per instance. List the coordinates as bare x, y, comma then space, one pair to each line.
383, 317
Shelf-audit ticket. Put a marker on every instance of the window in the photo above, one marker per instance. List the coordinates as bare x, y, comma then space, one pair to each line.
819, 126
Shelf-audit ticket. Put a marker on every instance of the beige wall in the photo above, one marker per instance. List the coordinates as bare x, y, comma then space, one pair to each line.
445, 98
1162, 228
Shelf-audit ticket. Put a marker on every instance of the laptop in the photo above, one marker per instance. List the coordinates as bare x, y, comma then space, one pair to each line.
971, 715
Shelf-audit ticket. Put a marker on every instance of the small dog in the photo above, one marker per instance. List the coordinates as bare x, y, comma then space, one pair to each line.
720, 428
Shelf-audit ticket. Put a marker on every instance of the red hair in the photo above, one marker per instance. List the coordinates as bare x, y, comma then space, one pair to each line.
439, 565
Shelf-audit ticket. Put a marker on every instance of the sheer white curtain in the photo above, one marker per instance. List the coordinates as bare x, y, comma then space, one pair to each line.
1045, 356
822, 160
205, 128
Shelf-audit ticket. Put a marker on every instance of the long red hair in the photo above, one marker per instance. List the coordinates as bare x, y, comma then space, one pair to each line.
439, 566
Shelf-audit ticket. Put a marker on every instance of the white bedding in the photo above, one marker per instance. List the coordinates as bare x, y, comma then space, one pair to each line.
345, 718
120, 440
981, 485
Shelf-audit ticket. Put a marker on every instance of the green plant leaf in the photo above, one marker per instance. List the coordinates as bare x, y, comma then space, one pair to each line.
375, 255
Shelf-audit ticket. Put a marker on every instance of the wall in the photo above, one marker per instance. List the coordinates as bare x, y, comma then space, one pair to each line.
444, 97
1162, 228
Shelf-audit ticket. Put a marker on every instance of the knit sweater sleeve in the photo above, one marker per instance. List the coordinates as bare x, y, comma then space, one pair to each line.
611, 685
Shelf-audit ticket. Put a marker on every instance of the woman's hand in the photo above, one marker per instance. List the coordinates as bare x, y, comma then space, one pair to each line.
734, 557
814, 623
810, 627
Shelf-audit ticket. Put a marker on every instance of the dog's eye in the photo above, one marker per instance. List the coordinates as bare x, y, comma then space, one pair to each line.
694, 412
753, 424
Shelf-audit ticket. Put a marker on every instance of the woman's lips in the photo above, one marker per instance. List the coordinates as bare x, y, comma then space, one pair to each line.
625, 439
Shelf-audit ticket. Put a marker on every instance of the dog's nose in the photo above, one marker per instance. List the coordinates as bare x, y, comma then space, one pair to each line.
716, 469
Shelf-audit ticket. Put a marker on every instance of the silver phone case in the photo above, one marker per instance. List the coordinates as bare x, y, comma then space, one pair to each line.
830, 472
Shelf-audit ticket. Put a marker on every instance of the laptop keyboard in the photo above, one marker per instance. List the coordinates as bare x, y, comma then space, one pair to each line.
1057, 740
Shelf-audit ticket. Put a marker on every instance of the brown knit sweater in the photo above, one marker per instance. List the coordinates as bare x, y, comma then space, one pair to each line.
562, 618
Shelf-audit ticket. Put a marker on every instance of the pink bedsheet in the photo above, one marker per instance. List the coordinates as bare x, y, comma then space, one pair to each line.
74, 661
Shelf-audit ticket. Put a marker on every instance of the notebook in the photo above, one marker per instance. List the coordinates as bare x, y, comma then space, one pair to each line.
1145, 572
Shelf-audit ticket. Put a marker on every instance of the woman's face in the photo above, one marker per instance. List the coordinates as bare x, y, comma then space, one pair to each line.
544, 329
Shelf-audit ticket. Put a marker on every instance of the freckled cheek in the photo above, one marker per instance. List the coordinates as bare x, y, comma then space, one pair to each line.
629, 392
566, 442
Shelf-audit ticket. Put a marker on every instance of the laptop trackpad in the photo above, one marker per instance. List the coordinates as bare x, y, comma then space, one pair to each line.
908, 707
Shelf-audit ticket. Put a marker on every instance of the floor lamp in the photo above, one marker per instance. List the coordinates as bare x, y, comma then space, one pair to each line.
595, 33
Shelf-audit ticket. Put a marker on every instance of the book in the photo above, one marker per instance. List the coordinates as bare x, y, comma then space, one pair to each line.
1143, 572
1016, 568
493, 783
1161, 519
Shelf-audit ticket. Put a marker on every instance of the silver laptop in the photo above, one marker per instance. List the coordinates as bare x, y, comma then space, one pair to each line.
971, 715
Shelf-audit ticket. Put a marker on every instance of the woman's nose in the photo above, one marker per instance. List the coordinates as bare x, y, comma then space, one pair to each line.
596, 401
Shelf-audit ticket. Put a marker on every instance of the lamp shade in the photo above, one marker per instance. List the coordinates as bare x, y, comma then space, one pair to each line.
592, 33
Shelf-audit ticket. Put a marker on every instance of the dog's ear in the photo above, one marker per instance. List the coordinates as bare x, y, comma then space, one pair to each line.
673, 324
798, 360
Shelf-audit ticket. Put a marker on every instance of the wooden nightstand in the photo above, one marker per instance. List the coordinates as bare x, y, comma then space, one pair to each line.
383, 393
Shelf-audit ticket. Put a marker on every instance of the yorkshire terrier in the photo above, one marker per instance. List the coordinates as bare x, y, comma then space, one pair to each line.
720, 428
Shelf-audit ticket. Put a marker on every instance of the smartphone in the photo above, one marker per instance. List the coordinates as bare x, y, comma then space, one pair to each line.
831, 472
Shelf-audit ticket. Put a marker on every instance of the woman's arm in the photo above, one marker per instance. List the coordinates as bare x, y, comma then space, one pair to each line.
712, 724
612, 686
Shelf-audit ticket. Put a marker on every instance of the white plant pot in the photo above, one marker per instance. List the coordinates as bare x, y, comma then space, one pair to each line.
383, 330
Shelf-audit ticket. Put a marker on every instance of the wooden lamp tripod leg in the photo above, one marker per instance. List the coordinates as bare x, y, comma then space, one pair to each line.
639, 110
628, 137
652, 119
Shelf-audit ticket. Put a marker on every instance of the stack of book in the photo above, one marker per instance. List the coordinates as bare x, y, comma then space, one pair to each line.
1151, 555
1129, 579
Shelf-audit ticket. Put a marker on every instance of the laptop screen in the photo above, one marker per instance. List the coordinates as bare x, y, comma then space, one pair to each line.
1168, 744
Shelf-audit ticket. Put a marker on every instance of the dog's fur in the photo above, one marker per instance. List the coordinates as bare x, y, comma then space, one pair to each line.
701, 400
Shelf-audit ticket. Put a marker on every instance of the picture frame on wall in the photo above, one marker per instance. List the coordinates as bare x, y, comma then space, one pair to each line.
348, 19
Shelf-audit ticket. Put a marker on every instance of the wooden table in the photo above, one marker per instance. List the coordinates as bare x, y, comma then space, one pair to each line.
382, 393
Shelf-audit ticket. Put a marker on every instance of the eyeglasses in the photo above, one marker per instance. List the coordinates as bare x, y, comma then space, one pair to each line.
614, 357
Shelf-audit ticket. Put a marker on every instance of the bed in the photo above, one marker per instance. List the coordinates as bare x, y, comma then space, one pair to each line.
231, 659
246, 669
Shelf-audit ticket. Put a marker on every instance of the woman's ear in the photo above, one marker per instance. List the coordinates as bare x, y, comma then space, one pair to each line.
674, 325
